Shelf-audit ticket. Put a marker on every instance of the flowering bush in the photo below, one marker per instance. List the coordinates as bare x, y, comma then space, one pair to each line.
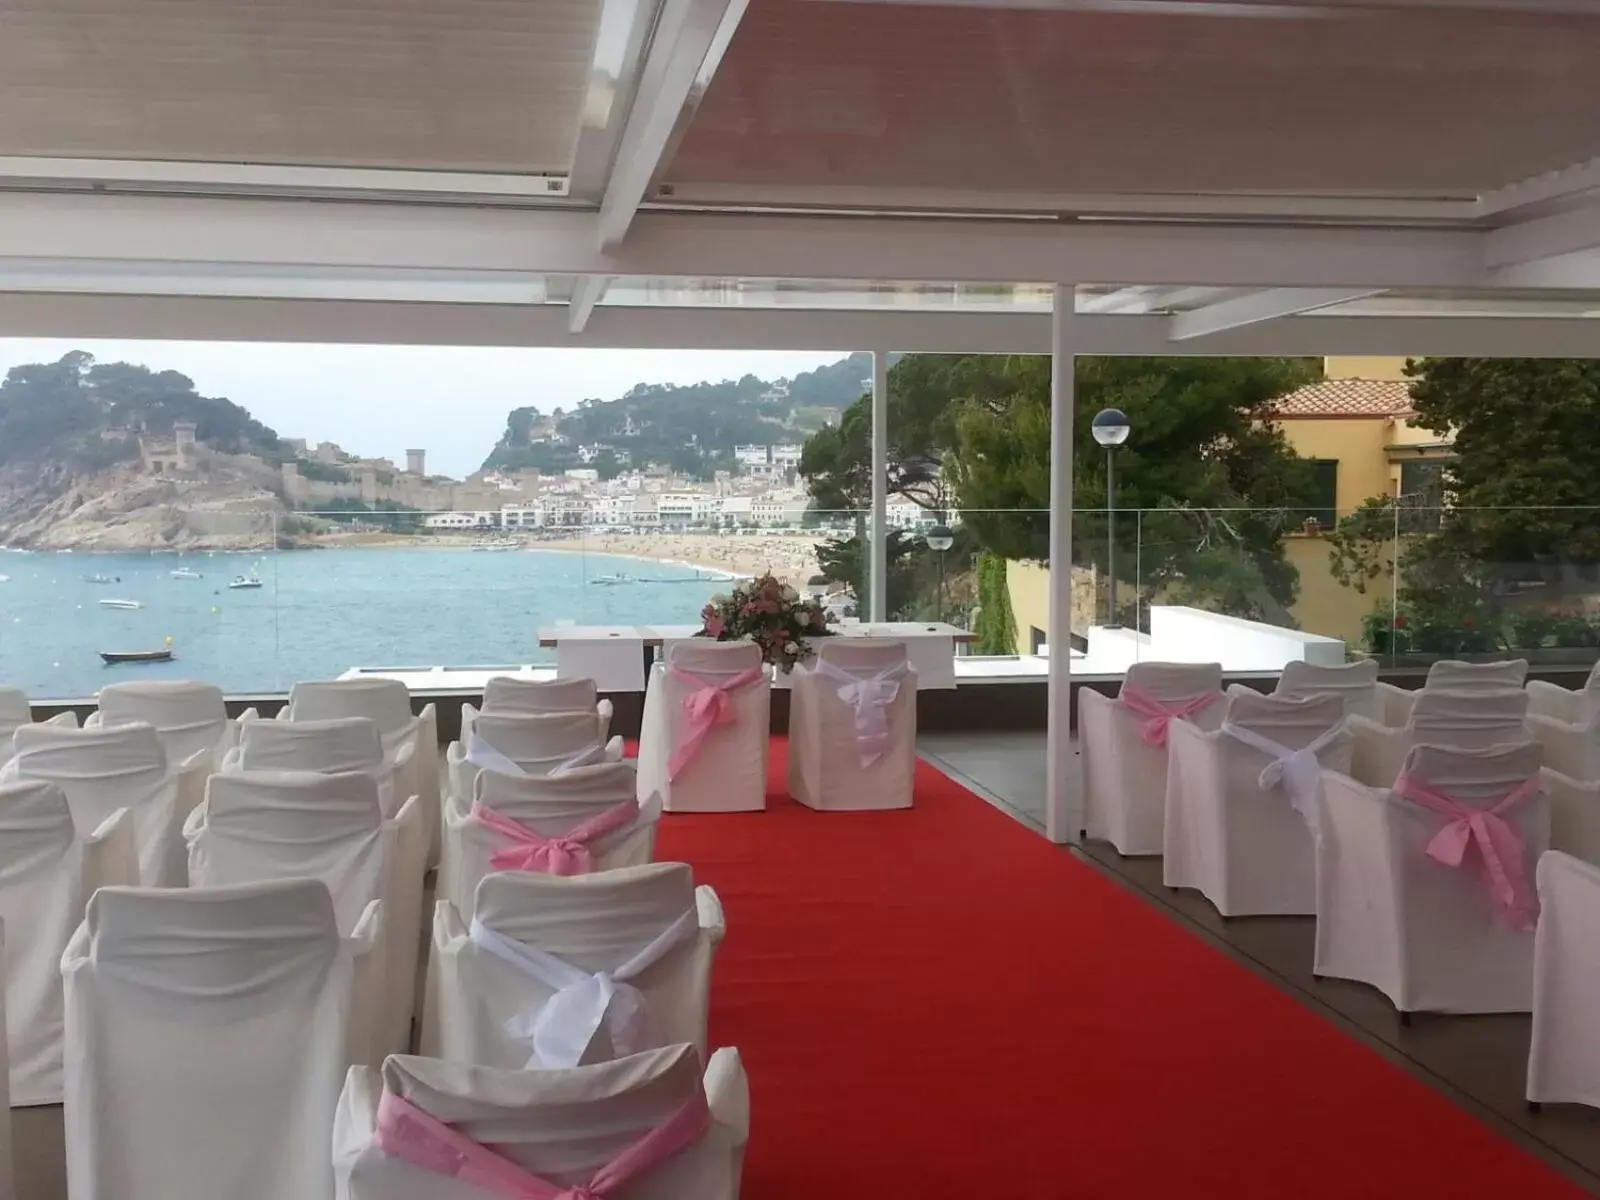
772, 615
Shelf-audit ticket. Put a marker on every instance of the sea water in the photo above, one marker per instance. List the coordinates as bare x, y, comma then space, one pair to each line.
317, 614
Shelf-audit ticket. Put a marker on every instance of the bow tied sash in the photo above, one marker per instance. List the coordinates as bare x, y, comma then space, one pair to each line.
570, 853
1159, 714
1297, 772
1499, 843
710, 704
407, 1133
582, 1002
870, 696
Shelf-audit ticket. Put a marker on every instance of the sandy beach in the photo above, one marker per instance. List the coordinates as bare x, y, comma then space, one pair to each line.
791, 557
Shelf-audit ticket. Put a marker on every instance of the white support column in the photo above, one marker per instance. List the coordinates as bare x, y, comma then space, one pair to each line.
1063, 802
878, 609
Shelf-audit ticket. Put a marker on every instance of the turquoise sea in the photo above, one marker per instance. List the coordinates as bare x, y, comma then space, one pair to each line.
318, 613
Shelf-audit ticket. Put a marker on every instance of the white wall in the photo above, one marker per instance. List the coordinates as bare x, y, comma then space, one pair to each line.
1179, 634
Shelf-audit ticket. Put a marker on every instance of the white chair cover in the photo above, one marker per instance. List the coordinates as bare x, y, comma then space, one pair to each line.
1564, 1055
1124, 775
410, 741
1242, 801
551, 807
1573, 748
507, 696
1355, 683
724, 769
1391, 913
1545, 699
853, 726
48, 871
191, 718
15, 711
259, 826
208, 1032
104, 770
614, 663
555, 971
331, 747
8, 1185
1574, 815
563, 1126
1451, 675
1470, 720
537, 744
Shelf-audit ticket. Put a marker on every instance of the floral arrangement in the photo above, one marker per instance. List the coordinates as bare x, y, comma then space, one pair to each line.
772, 615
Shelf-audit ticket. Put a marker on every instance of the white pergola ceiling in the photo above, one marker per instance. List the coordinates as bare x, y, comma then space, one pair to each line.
1243, 176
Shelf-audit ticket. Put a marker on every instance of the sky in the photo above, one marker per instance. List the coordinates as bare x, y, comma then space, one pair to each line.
379, 401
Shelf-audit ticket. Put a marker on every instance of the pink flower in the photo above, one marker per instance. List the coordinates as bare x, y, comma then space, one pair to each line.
715, 626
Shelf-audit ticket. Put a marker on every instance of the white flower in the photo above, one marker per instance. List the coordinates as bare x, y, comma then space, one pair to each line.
802, 618
719, 599
789, 593
791, 647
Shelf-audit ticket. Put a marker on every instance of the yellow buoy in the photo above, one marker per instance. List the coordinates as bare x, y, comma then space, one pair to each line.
169, 641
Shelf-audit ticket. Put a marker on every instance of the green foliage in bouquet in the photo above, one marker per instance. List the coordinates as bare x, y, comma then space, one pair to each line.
772, 615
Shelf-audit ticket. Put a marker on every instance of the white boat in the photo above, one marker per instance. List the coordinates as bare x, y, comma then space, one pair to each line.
491, 548
243, 583
611, 580
5, 579
185, 573
111, 603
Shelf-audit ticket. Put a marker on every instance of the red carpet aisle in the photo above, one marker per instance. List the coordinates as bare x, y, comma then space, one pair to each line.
916, 1028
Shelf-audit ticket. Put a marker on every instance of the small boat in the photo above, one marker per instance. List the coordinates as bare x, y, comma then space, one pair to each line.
113, 657
243, 583
185, 573
98, 579
492, 547
120, 604
5, 579
611, 580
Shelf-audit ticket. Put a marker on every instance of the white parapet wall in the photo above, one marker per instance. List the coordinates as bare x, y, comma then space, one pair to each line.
1180, 634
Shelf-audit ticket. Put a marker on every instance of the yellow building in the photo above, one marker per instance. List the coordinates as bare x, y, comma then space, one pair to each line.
1354, 425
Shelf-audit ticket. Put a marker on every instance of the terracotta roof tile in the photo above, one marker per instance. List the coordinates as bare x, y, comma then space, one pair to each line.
1345, 398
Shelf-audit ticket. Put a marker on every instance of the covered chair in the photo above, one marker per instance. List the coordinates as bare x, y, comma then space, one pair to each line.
539, 744
261, 826
1124, 747
583, 820
191, 718
104, 770
1564, 1056
331, 747
646, 1127
1470, 720
48, 871
853, 726
386, 703
1571, 747
1424, 890
15, 712
554, 971
1242, 801
706, 727
506, 696
1545, 699
1452, 675
208, 1032
1355, 683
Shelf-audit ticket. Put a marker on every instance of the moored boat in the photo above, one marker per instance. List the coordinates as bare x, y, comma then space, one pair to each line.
113, 603
114, 657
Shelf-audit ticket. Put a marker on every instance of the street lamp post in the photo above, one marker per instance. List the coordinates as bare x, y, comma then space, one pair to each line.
939, 540
1110, 428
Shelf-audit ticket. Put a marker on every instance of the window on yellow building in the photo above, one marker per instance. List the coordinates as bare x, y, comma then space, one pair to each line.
1325, 490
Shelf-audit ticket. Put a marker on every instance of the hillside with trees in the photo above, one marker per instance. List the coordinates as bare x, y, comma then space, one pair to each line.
691, 429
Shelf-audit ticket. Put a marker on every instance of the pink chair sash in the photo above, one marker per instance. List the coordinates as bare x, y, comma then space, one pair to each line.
1159, 714
709, 705
405, 1132
565, 854
1498, 841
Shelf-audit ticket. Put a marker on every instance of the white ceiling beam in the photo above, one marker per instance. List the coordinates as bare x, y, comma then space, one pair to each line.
1255, 307
1279, 9
1573, 231
613, 81
1530, 196
705, 245
586, 293
690, 38
512, 325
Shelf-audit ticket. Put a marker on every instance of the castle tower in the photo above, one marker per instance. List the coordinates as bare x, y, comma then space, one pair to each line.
183, 434
369, 486
416, 462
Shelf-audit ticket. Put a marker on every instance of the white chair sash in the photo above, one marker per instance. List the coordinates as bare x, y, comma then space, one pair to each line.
562, 1028
870, 697
1297, 772
486, 758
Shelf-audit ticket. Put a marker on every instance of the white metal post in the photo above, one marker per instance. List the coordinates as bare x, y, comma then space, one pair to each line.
1062, 803
879, 573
